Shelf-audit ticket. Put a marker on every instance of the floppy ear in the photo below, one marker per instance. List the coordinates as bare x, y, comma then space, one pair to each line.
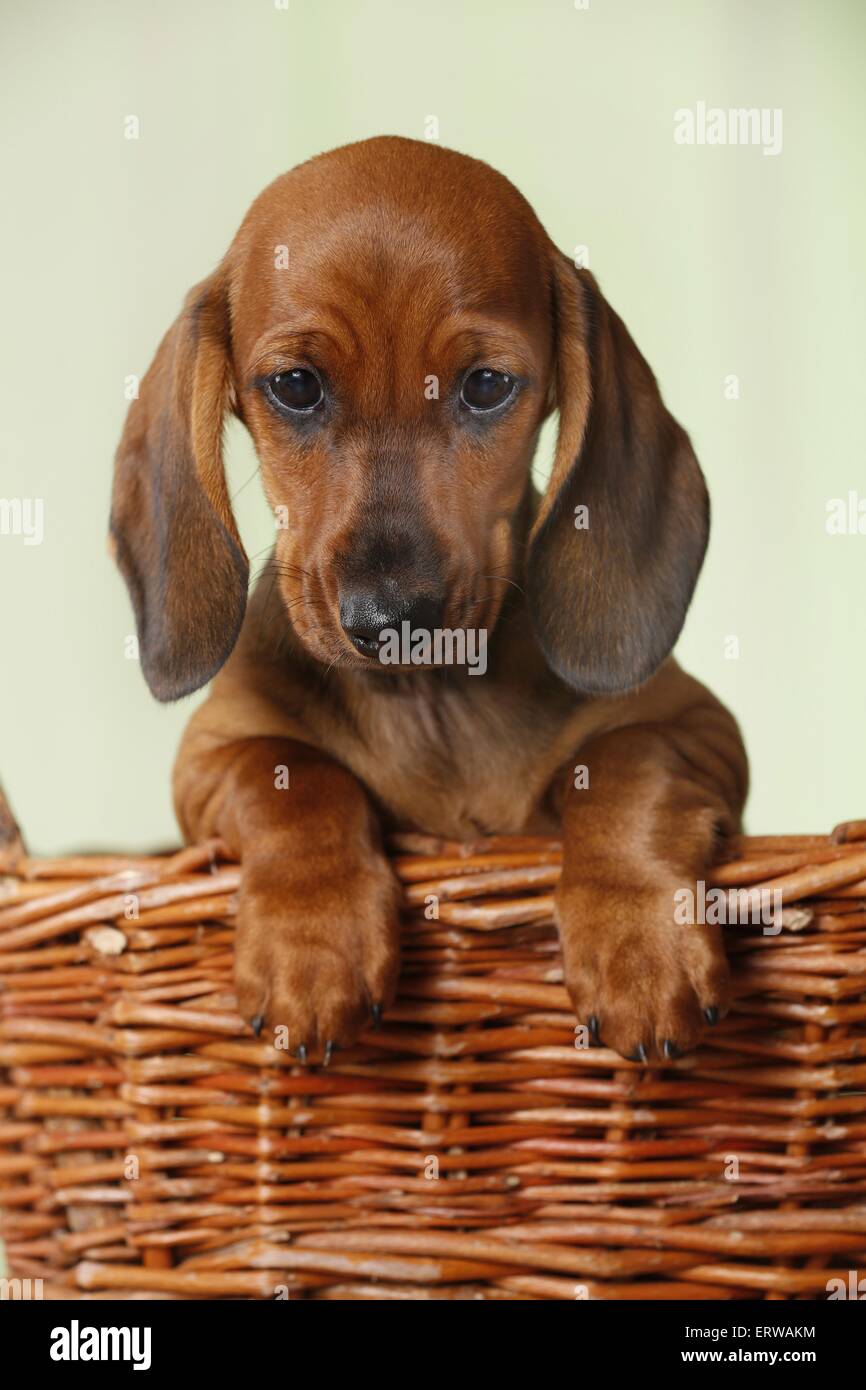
609, 587
174, 535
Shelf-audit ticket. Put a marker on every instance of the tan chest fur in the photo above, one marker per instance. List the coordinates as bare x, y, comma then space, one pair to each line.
461, 757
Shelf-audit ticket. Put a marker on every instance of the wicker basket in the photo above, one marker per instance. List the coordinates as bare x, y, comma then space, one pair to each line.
151, 1147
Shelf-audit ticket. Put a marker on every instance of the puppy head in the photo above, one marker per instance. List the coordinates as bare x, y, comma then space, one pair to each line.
392, 324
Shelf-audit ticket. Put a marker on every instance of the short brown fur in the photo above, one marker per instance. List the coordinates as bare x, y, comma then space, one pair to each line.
406, 262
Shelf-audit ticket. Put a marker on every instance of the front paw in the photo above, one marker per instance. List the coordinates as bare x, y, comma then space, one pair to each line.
644, 984
316, 955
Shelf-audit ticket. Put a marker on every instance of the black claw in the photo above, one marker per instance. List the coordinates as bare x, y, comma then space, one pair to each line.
594, 1028
258, 1023
711, 1014
639, 1055
301, 1054
377, 1015
330, 1048
670, 1049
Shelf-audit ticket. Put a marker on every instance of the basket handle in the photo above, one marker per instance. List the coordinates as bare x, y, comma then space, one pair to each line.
12, 849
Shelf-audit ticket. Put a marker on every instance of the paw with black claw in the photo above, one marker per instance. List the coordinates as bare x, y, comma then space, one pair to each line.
315, 960
647, 985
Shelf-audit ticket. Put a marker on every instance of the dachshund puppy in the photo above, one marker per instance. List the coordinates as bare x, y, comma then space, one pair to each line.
393, 325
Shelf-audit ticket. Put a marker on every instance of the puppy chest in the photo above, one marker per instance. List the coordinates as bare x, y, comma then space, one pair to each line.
460, 771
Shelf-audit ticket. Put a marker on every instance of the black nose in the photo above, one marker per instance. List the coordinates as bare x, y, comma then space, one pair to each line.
366, 613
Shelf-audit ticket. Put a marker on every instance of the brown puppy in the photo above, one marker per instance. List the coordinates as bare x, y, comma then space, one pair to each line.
393, 325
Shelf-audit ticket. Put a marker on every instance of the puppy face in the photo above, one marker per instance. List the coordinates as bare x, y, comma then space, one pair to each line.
393, 373
392, 324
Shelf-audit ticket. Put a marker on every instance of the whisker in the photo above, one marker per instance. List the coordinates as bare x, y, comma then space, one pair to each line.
262, 551
504, 579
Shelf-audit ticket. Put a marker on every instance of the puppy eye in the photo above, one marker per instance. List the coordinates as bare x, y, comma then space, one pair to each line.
298, 389
485, 389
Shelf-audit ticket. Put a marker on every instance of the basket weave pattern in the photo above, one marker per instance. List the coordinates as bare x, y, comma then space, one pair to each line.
151, 1147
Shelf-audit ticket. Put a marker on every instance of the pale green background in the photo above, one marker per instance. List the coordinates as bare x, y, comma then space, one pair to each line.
721, 260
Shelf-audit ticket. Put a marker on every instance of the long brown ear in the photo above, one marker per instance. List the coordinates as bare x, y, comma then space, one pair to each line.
175, 538
609, 587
